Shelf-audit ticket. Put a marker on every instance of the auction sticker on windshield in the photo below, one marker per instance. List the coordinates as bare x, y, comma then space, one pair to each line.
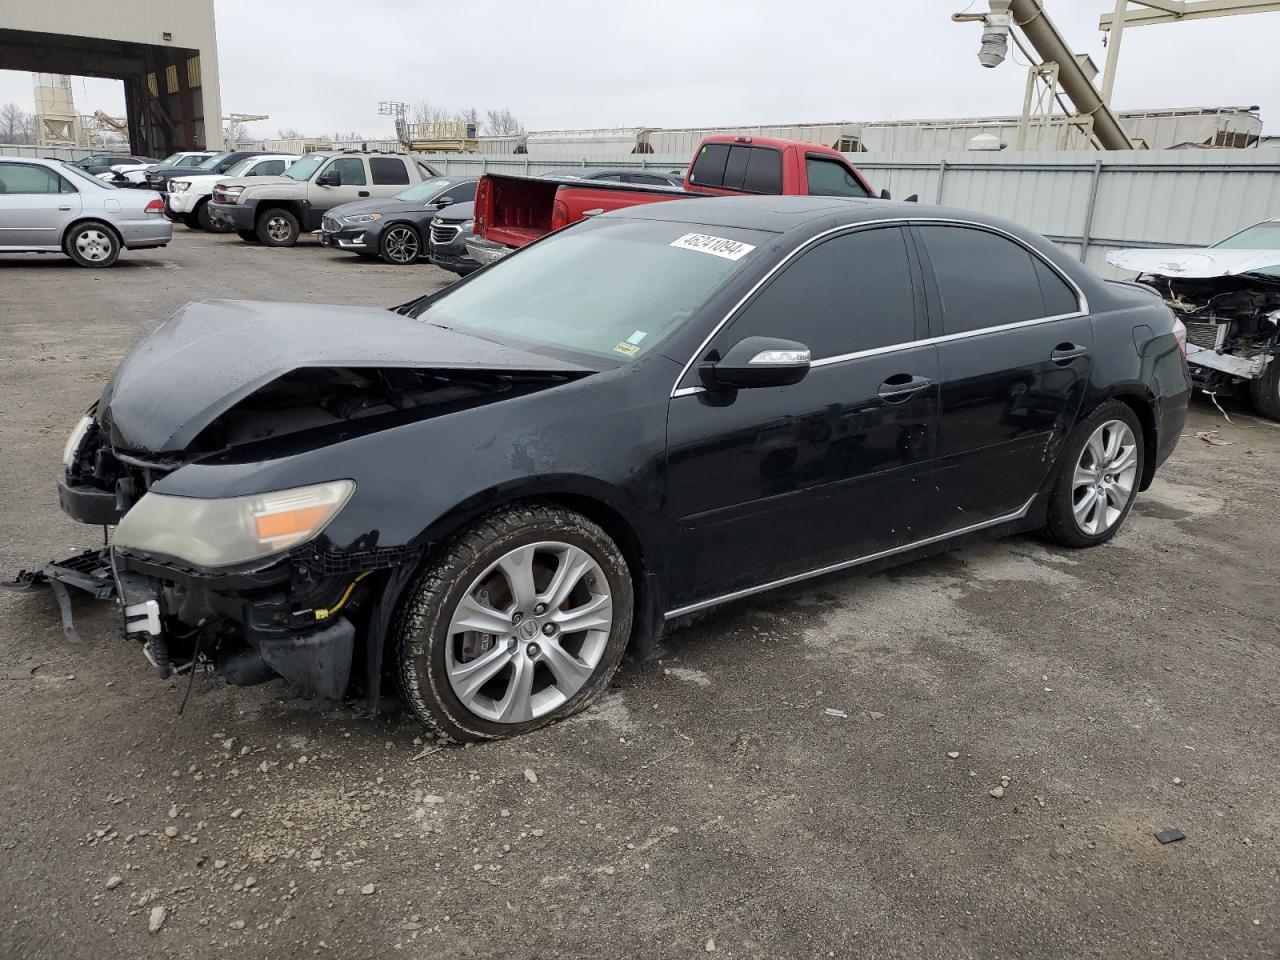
716, 246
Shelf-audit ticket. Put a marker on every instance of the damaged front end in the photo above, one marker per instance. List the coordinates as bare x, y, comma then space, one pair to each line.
255, 585
1229, 301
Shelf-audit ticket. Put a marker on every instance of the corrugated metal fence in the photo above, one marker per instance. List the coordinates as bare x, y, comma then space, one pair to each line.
59, 153
1089, 202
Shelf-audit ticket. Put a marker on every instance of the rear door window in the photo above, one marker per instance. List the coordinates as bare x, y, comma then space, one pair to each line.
984, 279
708, 169
851, 293
830, 178
351, 169
387, 170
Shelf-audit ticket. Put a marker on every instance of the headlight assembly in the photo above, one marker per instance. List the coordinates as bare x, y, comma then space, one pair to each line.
179, 186
362, 218
72, 446
233, 530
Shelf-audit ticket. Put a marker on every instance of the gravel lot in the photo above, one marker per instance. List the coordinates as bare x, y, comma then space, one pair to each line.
709, 804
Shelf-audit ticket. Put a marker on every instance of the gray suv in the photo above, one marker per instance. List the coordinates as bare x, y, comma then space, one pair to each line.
47, 206
275, 210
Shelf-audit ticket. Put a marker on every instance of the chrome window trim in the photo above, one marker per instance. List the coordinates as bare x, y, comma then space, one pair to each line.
1082, 301
846, 564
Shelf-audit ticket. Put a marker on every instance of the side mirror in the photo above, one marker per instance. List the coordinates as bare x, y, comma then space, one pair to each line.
330, 178
442, 202
757, 362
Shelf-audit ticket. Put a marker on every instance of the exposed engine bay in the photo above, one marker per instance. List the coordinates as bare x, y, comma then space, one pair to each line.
1228, 297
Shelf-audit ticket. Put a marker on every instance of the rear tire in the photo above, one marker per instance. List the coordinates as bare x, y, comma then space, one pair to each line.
526, 677
277, 227
1099, 470
1265, 391
92, 244
248, 236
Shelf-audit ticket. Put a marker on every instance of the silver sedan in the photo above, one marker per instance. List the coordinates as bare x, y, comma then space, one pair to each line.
47, 206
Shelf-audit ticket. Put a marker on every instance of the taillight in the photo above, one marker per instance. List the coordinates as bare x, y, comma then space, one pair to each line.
155, 206
1180, 336
481, 208
559, 214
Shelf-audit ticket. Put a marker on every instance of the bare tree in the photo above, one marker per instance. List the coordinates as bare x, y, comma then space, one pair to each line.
290, 133
16, 125
237, 131
426, 112
502, 123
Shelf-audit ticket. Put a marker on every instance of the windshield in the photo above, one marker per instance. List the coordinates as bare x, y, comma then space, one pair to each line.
211, 162
1261, 236
304, 168
609, 288
239, 167
422, 191
86, 175
171, 160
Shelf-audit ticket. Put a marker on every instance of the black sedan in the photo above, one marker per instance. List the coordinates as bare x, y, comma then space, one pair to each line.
503, 485
397, 229
103, 162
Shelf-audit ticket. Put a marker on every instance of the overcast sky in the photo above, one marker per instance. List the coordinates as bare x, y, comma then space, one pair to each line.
322, 65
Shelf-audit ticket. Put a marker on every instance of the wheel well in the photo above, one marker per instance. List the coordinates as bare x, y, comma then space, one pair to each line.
266, 207
1146, 417
66, 234
609, 519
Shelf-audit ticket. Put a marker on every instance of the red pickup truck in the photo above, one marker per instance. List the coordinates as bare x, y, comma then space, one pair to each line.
511, 211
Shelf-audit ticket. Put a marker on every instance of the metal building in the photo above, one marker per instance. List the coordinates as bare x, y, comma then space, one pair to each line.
166, 54
1150, 129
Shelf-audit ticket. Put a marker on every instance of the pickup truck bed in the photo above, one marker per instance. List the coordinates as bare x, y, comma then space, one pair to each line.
526, 208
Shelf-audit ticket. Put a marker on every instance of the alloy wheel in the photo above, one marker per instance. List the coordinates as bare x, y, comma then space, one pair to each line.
529, 632
401, 245
94, 245
278, 229
1105, 476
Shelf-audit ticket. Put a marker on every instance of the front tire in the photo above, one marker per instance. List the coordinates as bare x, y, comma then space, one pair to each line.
248, 236
519, 621
92, 244
206, 222
1265, 390
1098, 475
192, 221
400, 245
278, 228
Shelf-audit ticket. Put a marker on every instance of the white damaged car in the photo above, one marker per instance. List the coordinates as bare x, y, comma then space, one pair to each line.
1228, 295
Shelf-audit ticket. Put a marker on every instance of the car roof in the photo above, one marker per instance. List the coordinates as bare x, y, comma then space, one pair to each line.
781, 214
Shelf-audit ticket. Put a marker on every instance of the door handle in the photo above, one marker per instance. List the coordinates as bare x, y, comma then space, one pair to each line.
64, 208
901, 386
362, 193
1064, 353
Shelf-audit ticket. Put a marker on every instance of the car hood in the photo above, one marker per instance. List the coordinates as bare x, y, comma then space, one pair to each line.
375, 205
1196, 263
211, 355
